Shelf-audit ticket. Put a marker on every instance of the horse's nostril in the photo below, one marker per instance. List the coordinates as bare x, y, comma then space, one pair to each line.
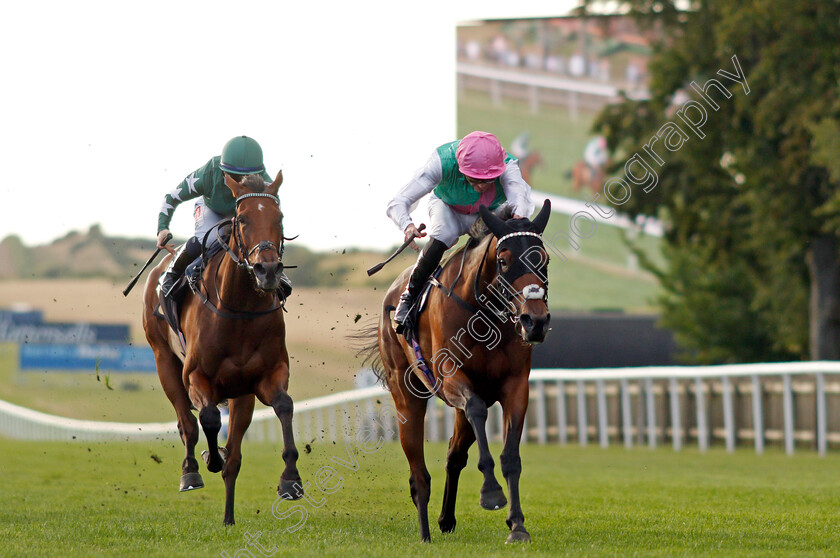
526, 321
259, 269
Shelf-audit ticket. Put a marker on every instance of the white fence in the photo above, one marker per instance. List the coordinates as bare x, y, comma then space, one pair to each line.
789, 404
540, 88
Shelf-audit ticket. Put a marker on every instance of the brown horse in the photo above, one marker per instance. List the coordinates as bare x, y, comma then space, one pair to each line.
478, 340
528, 164
585, 176
231, 354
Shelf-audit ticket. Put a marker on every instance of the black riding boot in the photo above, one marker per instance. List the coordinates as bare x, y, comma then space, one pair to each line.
285, 285
189, 251
426, 264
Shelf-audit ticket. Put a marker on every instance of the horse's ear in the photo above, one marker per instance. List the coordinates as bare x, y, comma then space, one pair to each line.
275, 186
496, 225
234, 186
541, 220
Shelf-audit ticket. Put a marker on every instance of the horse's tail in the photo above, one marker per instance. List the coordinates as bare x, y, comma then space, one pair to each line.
366, 343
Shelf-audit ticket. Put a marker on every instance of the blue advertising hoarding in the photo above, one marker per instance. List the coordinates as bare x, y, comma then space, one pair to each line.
84, 357
29, 327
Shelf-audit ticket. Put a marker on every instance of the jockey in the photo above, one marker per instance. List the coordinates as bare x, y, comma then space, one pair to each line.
240, 156
461, 176
595, 153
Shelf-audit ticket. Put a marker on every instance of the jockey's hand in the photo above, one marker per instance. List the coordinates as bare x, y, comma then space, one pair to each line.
515, 216
412, 231
162, 236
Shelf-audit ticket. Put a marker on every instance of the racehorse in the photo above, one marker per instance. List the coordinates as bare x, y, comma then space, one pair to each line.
528, 163
235, 339
478, 337
584, 175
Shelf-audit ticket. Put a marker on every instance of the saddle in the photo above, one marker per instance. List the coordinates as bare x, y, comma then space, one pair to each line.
170, 307
420, 367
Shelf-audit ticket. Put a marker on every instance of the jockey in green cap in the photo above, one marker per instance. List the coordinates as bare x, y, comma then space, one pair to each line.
241, 156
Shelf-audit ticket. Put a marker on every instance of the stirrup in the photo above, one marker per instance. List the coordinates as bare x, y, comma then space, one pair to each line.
400, 324
168, 284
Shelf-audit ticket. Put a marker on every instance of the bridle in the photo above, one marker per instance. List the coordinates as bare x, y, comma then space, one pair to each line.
242, 259
239, 241
503, 281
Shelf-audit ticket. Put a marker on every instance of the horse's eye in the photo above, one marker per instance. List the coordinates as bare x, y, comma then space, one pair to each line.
503, 265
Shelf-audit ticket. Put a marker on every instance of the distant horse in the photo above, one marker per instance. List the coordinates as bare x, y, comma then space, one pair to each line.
235, 343
584, 175
528, 163
478, 339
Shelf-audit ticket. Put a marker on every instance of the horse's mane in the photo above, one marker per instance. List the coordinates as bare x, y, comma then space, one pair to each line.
479, 229
479, 233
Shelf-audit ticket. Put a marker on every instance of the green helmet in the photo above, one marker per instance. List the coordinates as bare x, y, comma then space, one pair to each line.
242, 155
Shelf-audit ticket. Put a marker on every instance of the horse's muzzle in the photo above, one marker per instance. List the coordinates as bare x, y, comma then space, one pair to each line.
267, 275
534, 327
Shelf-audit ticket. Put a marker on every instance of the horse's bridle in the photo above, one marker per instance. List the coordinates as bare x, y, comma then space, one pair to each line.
242, 260
504, 281
259, 247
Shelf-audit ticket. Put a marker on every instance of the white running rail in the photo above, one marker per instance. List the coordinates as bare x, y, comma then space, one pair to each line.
790, 404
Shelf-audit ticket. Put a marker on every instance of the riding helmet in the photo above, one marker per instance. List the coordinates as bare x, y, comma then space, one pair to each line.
242, 155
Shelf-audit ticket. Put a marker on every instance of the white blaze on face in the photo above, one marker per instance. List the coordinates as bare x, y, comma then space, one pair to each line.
260, 206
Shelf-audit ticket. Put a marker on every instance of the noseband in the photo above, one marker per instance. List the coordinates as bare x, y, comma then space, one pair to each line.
244, 262
259, 247
504, 282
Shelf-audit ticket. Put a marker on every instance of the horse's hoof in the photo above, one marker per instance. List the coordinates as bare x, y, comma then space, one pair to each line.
219, 465
447, 526
290, 489
191, 481
493, 500
518, 535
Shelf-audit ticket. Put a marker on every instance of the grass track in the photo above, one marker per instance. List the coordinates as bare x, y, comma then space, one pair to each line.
114, 499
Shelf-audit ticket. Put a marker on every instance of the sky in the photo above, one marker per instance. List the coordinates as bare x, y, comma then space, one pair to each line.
107, 106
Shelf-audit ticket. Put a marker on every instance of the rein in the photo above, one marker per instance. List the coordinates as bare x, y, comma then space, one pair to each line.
504, 314
509, 312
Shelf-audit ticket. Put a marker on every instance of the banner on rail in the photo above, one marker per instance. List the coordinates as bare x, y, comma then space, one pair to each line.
87, 358
29, 327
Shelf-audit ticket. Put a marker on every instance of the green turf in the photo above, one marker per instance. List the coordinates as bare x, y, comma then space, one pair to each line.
115, 499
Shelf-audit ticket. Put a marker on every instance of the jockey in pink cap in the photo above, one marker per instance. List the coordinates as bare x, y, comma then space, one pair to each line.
461, 176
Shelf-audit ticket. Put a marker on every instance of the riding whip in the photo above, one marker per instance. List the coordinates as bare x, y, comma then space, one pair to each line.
379, 266
131, 284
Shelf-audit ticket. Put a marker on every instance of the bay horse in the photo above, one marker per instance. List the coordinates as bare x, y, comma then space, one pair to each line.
478, 339
585, 176
235, 338
528, 163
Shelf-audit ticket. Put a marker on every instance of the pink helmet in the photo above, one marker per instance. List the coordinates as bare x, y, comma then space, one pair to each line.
481, 156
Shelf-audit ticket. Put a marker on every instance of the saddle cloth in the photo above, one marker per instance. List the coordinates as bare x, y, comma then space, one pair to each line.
170, 307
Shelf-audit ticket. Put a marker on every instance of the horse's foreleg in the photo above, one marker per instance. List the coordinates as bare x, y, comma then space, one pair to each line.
514, 415
459, 392
492, 495
209, 417
272, 391
241, 411
290, 486
211, 423
456, 460
169, 373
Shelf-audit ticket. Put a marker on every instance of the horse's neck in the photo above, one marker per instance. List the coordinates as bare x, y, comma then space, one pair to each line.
233, 283
483, 262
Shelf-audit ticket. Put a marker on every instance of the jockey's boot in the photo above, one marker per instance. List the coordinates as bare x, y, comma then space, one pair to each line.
285, 285
189, 251
426, 264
